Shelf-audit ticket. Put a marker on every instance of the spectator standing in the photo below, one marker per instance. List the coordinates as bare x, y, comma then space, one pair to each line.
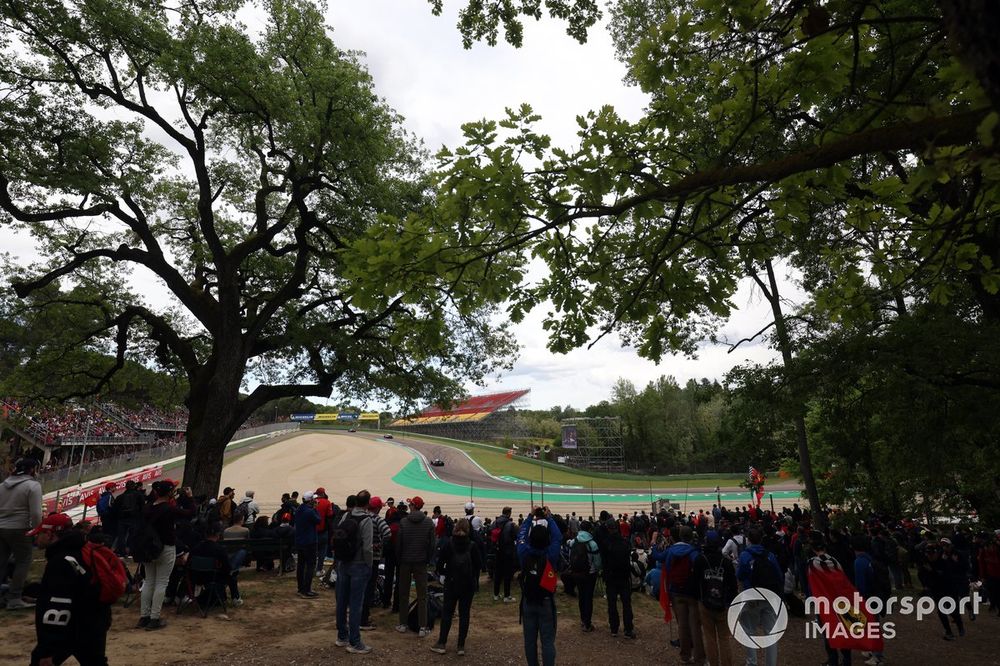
306, 520
617, 569
506, 555
716, 578
678, 560
381, 535
325, 510
129, 510
538, 543
458, 565
866, 580
159, 517
106, 510
246, 511
70, 620
20, 511
759, 568
585, 565
352, 545
226, 505
415, 548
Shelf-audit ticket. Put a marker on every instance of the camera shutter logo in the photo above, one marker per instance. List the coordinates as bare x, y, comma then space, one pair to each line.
756, 596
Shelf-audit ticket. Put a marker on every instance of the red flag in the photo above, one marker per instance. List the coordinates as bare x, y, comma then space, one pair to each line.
548, 581
665, 595
855, 629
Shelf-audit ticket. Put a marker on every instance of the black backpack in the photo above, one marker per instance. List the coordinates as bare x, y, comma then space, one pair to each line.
579, 558
346, 538
712, 583
617, 561
531, 579
460, 567
147, 544
762, 574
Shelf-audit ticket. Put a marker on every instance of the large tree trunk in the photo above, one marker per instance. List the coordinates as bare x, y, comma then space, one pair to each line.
215, 415
802, 442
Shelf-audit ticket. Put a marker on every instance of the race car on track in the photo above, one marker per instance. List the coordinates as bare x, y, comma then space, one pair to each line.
437, 462
352, 430
387, 436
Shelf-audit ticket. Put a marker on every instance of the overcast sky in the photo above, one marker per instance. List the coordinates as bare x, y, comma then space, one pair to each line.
420, 67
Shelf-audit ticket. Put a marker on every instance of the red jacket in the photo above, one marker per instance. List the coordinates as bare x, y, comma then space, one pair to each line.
325, 510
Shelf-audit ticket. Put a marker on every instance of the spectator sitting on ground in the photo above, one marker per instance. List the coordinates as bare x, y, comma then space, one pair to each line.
227, 567
234, 532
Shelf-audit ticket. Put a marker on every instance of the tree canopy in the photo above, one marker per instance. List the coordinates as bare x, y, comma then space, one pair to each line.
852, 141
262, 182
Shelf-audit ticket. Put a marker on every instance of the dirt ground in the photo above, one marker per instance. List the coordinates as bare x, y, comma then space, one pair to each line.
274, 626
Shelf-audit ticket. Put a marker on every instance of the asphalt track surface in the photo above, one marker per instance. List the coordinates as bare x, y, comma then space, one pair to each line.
344, 463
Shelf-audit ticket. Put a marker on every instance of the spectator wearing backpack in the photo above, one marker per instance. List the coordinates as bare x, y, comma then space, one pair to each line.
759, 568
716, 577
71, 618
538, 553
678, 564
585, 565
616, 566
246, 511
160, 517
505, 533
415, 548
227, 502
735, 545
458, 566
306, 520
352, 550
128, 511
20, 511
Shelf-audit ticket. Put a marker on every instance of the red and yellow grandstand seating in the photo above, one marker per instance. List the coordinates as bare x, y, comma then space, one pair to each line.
472, 409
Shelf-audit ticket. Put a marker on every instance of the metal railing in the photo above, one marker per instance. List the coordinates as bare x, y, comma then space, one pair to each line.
124, 461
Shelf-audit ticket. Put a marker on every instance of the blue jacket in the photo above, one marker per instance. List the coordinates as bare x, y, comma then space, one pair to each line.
524, 549
306, 520
864, 575
745, 566
670, 557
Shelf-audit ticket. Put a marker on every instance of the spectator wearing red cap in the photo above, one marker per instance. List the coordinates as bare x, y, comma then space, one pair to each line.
325, 510
20, 510
69, 618
415, 548
381, 535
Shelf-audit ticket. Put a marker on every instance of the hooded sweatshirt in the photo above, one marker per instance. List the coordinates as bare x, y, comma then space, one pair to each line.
679, 561
20, 502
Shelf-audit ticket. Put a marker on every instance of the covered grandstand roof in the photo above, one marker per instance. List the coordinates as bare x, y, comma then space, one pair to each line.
475, 408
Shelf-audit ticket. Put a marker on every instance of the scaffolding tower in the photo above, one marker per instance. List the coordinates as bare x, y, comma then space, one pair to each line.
600, 444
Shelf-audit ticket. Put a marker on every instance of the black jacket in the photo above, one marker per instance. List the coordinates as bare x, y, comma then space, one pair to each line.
67, 611
453, 550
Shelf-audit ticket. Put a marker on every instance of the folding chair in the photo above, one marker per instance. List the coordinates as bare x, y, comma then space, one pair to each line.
133, 584
203, 572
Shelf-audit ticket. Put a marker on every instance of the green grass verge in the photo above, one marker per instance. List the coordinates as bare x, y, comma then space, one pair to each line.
495, 461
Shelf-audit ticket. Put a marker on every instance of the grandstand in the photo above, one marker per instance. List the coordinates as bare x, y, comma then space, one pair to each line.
479, 418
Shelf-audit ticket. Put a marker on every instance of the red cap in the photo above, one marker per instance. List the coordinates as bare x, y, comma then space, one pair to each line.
109, 486
375, 504
54, 522
321, 491
417, 502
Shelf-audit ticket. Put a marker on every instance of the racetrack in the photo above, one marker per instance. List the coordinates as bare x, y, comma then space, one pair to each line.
345, 463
